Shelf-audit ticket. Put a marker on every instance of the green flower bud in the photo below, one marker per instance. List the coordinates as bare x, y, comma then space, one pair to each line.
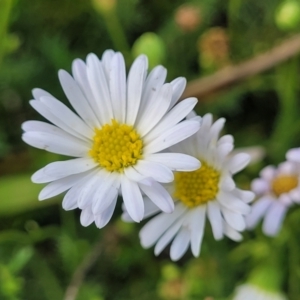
104, 6
151, 45
267, 277
288, 15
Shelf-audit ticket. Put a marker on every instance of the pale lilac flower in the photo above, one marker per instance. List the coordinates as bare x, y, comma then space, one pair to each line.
277, 189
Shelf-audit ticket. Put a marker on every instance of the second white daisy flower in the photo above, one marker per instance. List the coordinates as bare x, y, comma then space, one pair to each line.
208, 191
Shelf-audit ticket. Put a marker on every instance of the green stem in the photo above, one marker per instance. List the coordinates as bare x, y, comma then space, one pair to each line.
5, 9
117, 34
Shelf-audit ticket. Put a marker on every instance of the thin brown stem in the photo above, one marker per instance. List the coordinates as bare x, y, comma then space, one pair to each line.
231, 75
81, 271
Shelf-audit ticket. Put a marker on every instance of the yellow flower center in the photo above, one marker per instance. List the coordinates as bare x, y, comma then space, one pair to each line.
116, 146
283, 184
197, 187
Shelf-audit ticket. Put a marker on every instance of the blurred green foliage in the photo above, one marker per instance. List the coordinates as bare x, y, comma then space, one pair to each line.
42, 246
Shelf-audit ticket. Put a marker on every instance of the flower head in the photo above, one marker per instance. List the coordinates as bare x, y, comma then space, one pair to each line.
263, 283
249, 291
208, 191
277, 189
120, 126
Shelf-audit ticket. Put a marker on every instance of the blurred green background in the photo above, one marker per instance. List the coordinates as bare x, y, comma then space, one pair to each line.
44, 251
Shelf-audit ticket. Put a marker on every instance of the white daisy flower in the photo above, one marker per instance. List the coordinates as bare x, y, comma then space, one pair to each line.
277, 189
209, 191
120, 126
250, 291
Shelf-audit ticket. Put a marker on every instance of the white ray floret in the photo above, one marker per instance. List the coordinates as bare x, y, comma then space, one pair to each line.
208, 192
120, 125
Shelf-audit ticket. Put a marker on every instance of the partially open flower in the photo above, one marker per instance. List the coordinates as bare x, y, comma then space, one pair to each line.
213, 47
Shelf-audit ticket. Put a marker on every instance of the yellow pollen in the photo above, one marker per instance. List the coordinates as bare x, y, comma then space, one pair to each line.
116, 146
283, 184
197, 187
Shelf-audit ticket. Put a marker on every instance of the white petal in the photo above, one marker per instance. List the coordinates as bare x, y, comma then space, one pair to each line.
172, 136
87, 190
132, 174
157, 171
153, 83
245, 196
238, 162
117, 86
257, 153
56, 144
215, 219
106, 60
295, 195
106, 215
227, 183
64, 123
41, 126
105, 192
61, 185
215, 130
180, 244
223, 150
225, 139
86, 217
159, 196
235, 220
133, 199
197, 225
66, 116
150, 210
274, 218
285, 199
38, 93
232, 234
165, 239
260, 186
293, 155
191, 115
79, 71
174, 116
175, 161
233, 203
151, 232
268, 173
75, 191
77, 98
135, 84
287, 167
38, 126
69, 203
60, 169
178, 86
259, 209
99, 87
155, 110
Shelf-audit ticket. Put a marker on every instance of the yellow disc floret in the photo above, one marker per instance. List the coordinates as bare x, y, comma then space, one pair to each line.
116, 146
284, 184
197, 187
